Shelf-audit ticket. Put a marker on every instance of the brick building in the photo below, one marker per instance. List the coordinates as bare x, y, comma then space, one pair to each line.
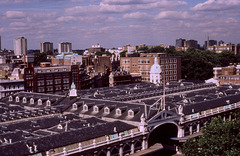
55, 79
227, 75
171, 66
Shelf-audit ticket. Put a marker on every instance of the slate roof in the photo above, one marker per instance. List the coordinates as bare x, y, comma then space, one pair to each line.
63, 138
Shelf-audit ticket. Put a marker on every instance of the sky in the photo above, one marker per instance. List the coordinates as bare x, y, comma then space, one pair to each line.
114, 23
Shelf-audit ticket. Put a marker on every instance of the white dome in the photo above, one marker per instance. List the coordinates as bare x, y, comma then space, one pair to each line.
156, 67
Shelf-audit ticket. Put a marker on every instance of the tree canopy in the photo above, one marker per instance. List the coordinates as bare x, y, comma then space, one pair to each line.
219, 138
39, 57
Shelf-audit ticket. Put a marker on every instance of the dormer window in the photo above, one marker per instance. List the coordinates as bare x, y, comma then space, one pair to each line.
10, 98
106, 110
130, 113
31, 101
85, 107
118, 111
17, 99
39, 102
74, 106
24, 100
95, 109
60, 126
48, 103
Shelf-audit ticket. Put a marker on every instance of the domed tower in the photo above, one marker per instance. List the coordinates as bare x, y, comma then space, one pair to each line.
73, 90
155, 72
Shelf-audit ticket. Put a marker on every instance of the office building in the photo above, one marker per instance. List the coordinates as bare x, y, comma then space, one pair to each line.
180, 42
225, 47
67, 58
142, 64
20, 46
210, 43
229, 75
64, 47
46, 47
191, 44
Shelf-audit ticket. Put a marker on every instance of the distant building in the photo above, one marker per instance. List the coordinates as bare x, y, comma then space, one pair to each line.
67, 58
227, 75
142, 65
220, 42
210, 43
225, 47
8, 87
47, 79
191, 44
180, 42
96, 48
122, 77
64, 47
20, 46
46, 47
102, 64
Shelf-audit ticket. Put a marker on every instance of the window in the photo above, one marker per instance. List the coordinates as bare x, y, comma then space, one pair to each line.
24, 100
74, 106
48, 103
31, 101
118, 112
130, 113
39, 102
17, 99
106, 110
60, 126
85, 107
95, 109
10, 98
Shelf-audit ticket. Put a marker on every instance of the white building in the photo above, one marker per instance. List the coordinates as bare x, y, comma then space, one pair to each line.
155, 72
64, 47
46, 47
20, 46
8, 87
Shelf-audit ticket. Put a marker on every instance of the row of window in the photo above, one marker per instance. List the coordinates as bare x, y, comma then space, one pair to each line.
31, 101
106, 110
49, 70
13, 87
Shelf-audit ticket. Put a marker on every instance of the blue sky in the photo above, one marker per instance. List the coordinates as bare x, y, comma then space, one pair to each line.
114, 23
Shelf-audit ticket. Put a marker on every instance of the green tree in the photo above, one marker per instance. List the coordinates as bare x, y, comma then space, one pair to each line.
144, 49
227, 57
123, 54
219, 138
39, 57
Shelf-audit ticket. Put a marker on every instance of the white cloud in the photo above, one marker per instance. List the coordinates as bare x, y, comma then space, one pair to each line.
15, 14
113, 8
217, 5
66, 19
137, 15
14, 1
173, 15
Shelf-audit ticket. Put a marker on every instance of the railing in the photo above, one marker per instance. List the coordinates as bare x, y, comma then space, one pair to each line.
213, 112
96, 145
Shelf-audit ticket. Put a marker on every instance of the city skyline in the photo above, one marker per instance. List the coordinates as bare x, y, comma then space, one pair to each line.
116, 23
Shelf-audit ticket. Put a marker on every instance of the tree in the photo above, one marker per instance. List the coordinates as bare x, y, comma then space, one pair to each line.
39, 57
227, 57
123, 54
219, 138
144, 49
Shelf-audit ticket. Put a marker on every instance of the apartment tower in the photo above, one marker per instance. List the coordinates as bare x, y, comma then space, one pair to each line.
20, 46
